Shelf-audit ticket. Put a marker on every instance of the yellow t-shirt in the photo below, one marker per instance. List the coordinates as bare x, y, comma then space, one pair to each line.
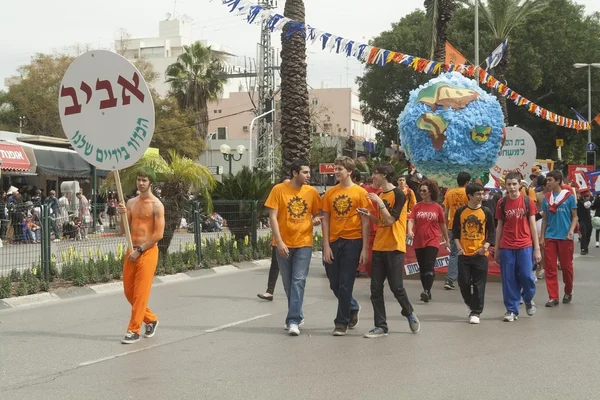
296, 208
411, 199
473, 228
454, 199
393, 237
341, 203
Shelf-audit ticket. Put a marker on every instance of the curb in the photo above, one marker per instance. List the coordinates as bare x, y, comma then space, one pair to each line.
108, 288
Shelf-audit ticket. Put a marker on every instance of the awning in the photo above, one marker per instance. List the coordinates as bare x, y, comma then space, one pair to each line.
60, 163
13, 158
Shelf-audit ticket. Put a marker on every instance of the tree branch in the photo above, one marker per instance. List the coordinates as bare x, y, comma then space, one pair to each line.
550, 93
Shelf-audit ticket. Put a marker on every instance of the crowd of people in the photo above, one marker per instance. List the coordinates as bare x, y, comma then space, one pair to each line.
527, 229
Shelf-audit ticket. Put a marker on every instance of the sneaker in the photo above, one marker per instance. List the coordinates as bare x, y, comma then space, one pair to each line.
265, 296
540, 274
567, 299
130, 338
449, 285
354, 319
584, 252
151, 329
340, 330
375, 333
425, 297
530, 308
510, 317
552, 303
294, 331
413, 323
597, 244
287, 327
474, 319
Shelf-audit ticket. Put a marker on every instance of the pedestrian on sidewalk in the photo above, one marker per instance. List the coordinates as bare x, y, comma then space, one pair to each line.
292, 207
426, 226
345, 241
453, 200
584, 216
145, 215
357, 179
558, 227
473, 233
388, 251
517, 247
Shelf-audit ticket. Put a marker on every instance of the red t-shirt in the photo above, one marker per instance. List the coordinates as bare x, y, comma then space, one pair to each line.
515, 233
370, 189
426, 226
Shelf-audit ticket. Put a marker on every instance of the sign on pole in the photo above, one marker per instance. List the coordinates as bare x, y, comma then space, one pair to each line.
560, 142
591, 146
517, 153
326, 168
107, 112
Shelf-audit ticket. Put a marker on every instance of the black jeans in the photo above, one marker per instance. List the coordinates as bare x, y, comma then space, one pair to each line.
426, 257
585, 229
341, 274
273, 271
387, 264
473, 270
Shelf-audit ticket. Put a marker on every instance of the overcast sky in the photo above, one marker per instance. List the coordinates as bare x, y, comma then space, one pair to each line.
30, 26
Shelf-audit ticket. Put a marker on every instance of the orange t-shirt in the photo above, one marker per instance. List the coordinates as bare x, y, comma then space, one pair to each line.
296, 208
393, 237
411, 199
454, 199
341, 203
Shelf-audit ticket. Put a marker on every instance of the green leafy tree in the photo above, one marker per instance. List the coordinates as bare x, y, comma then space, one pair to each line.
195, 81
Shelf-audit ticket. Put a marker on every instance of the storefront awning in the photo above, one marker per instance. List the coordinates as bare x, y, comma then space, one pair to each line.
60, 163
13, 158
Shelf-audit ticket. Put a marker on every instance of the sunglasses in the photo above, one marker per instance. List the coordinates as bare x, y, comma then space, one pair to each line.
423, 191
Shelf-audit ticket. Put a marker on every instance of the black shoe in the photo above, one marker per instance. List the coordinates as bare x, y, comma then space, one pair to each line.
449, 285
354, 319
340, 330
151, 329
567, 299
425, 297
584, 252
266, 296
552, 303
130, 338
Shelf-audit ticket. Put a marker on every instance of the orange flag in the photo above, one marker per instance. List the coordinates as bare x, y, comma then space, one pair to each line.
597, 119
454, 56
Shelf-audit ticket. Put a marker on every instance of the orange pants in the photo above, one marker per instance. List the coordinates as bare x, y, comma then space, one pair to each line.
137, 282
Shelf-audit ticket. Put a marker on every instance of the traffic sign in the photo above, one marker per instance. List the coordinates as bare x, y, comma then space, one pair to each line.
591, 146
560, 142
326, 168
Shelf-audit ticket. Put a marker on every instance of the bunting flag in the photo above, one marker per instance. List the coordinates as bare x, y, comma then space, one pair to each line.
255, 13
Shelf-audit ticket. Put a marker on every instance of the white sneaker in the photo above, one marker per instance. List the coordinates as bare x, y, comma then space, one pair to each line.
597, 244
510, 317
474, 319
294, 330
287, 327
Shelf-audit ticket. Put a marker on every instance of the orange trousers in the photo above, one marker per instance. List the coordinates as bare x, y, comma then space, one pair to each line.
137, 282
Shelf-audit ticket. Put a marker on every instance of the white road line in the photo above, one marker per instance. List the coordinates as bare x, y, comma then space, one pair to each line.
213, 330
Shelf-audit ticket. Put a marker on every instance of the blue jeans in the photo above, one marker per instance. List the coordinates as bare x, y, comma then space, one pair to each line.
452, 274
341, 274
294, 270
517, 278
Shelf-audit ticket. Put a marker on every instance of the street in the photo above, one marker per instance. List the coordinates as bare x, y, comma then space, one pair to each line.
216, 340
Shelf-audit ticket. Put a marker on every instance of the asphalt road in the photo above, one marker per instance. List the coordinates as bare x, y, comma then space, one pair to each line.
216, 340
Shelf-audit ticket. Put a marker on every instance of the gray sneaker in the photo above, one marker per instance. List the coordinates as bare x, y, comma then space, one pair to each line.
510, 317
375, 333
530, 308
413, 323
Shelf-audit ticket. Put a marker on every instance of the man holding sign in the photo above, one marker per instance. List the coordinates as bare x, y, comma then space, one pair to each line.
145, 215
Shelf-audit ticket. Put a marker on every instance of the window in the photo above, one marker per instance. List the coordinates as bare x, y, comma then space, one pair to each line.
220, 111
315, 102
221, 133
215, 111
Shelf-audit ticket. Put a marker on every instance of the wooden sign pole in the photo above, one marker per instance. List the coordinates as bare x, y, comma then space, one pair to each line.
122, 200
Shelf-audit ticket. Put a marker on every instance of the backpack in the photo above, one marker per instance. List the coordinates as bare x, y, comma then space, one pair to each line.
503, 204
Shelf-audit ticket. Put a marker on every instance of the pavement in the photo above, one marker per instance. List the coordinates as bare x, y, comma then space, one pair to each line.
217, 340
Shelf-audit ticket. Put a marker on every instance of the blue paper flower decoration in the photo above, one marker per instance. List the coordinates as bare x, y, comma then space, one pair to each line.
451, 125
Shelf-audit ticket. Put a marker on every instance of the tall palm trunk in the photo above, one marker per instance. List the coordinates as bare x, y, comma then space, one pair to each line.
295, 118
500, 72
441, 11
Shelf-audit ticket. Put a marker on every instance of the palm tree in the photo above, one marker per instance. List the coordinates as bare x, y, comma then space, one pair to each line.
177, 178
195, 80
439, 13
502, 17
295, 116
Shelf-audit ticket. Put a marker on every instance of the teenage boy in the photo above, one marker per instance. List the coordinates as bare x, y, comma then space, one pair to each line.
473, 233
558, 227
453, 200
345, 241
292, 207
517, 246
388, 251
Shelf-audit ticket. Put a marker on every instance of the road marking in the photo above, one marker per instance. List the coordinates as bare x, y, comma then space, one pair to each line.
204, 332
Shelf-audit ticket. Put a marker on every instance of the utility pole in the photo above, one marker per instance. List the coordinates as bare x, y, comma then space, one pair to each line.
266, 101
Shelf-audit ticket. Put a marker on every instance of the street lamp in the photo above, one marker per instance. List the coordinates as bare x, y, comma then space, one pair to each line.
589, 67
229, 156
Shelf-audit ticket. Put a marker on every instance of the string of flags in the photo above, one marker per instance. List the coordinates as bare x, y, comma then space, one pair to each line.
256, 14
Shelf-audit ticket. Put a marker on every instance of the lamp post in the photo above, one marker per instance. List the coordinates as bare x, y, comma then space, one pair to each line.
229, 156
589, 67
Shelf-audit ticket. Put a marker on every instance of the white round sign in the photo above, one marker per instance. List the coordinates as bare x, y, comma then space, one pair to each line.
106, 110
518, 153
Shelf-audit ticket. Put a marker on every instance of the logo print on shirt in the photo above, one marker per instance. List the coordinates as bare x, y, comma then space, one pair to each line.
297, 207
515, 212
342, 204
427, 215
472, 227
